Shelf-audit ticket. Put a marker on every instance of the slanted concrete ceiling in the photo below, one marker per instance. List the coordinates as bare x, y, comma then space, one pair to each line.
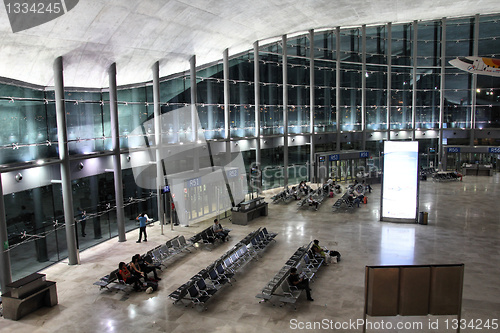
137, 33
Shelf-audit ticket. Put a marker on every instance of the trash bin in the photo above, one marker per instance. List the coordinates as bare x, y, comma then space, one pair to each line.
424, 216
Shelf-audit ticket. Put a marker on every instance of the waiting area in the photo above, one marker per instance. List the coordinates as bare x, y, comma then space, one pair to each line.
461, 229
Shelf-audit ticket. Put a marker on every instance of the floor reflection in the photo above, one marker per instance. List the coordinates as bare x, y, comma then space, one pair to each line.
397, 245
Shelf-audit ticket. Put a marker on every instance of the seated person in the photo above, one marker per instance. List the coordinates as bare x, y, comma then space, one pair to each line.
354, 199
312, 202
219, 231
300, 283
146, 266
303, 187
294, 193
367, 186
135, 268
320, 252
324, 252
127, 277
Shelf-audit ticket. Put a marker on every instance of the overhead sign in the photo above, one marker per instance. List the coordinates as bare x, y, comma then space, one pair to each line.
193, 182
334, 157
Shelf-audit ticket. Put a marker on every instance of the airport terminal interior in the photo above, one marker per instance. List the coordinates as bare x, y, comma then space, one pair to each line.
190, 111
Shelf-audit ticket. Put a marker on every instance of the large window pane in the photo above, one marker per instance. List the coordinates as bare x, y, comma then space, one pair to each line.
488, 102
457, 99
489, 35
428, 44
402, 44
459, 38
350, 45
376, 45
325, 45
428, 98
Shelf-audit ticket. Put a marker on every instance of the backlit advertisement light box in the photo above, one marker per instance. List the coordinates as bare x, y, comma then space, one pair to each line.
400, 182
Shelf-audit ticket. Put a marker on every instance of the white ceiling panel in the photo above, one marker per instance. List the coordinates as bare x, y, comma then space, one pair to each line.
136, 33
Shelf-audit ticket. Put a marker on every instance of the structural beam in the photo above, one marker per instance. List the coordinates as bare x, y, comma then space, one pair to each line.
160, 177
337, 87
312, 123
285, 108
5, 271
363, 87
62, 138
442, 81
257, 113
389, 78
227, 119
414, 80
117, 165
194, 113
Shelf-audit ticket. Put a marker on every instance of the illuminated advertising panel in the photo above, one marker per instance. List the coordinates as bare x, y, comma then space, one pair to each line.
400, 181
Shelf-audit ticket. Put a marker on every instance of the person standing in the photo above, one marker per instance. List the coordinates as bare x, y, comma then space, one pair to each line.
83, 220
142, 227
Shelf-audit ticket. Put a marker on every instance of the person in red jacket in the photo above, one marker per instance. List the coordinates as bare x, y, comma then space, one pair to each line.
127, 277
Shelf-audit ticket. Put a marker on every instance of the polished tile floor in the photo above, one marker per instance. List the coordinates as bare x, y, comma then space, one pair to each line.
464, 227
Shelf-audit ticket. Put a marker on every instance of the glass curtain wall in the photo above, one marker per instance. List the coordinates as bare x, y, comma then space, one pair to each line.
350, 80
242, 96
298, 71
325, 56
488, 87
210, 104
401, 76
28, 125
30, 132
458, 84
428, 75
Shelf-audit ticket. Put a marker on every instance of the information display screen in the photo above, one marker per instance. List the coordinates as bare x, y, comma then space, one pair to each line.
400, 181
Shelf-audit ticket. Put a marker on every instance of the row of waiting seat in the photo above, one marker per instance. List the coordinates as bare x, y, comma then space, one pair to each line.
306, 263
206, 237
343, 201
156, 256
318, 195
285, 196
198, 290
445, 177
